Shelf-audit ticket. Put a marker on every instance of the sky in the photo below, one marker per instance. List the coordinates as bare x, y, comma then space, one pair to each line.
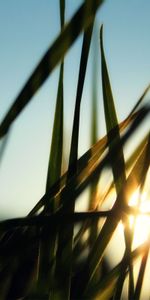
27, 29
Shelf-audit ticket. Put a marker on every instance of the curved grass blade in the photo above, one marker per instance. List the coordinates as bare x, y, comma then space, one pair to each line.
52, 57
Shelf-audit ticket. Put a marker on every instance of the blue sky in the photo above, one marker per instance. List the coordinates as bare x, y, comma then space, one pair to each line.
27, 28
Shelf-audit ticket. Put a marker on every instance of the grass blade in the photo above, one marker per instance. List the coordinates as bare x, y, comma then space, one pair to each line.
66, 251
140, 100
55, 161
52, 57
48, 242
112, 122
93, 197
105, 289
109, 227
98, 168
145, 255
3, 146
118, 167
141, 275
87, 160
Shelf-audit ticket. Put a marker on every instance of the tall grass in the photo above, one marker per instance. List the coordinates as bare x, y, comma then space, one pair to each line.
55, 252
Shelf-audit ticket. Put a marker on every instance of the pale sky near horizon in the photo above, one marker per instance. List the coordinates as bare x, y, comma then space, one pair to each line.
27, 28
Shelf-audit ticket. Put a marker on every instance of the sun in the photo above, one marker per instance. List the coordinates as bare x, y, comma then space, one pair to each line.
141, 223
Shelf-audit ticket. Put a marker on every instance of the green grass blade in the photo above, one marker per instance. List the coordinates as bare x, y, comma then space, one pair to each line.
52, 57
72, 169
87, 160
55, 161
118, 168
109, 227
104, 163
130, 162
83, 66
90, 173
112, 122
93, 197
62, 13
48, 242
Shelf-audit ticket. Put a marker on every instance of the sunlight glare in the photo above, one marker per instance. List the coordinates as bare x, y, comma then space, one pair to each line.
142, 222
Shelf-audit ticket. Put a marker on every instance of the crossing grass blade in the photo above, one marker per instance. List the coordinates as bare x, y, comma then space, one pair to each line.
105, 288
137, 104
136, 123
86, 161
52, 57
48, 258
129, 162
109, 227
95, 150
140, 280
145, 255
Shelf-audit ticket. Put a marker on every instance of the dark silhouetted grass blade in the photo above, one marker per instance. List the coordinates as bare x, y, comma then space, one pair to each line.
67, 240
111, 123
109, 226
136, 174
106, 287
4, 145
145, 255
52, 57
94, 198
55, 252
48, 242
118, 167
87, 160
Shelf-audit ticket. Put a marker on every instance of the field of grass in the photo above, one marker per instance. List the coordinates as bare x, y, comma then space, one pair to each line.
56, 252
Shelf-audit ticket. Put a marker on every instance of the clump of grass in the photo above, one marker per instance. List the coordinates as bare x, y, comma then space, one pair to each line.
48, 258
